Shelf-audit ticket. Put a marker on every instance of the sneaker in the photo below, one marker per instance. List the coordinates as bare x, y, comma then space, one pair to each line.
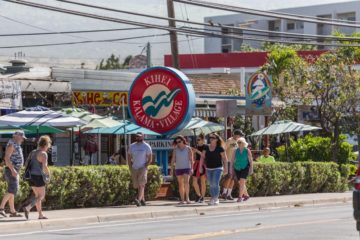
143, 203
15, 214
197, 199
216, 201
230, 198
137, 203
2, 213
224, 196
201, 200
245, 198
239, 199
211, 203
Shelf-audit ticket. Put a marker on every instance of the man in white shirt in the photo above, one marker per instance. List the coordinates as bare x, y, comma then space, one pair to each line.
140, 156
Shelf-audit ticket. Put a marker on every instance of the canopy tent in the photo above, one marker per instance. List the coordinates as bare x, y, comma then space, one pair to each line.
198, 125
92, 120
39, 116
286, 126
126, 128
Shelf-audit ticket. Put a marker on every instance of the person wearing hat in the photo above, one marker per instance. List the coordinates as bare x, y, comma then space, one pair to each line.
140, 156
242, 164
14, 160
230, 147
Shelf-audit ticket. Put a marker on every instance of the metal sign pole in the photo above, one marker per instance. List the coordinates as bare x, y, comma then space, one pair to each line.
126, 139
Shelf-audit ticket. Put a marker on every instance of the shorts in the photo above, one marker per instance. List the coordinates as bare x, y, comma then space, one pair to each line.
13, 182
139, 177
243, 173
180, 172
36, 181
229, 176
197, 170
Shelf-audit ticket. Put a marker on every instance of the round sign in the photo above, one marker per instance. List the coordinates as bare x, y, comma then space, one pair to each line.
162, 99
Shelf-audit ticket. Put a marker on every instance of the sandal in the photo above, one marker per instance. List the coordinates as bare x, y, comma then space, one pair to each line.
15, 214
26, 212
43, 217
2, 212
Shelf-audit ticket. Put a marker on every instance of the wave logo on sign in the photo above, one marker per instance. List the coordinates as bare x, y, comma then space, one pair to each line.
162, 102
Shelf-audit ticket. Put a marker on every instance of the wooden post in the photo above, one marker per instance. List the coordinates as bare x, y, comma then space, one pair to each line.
173, 35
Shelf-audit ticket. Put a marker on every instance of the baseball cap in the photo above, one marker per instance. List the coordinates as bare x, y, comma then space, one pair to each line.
139, 134
20, 133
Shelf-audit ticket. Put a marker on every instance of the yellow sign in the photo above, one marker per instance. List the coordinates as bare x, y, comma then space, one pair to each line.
104, 99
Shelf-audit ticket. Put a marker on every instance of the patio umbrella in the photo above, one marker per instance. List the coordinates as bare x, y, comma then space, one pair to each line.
198, 125
42, 129
286, 126
126, 128
12, 130
92, 120
39, 116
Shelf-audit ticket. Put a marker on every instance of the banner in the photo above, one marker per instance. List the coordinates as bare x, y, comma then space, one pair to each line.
10, 94
97, 98
258, 95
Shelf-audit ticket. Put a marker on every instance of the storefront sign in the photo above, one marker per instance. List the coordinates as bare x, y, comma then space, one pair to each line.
163, 144
10, 94
162, 99
258, 95
54, 153
103, 99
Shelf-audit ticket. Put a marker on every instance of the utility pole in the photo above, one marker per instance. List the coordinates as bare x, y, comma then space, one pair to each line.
148, 55
173, 35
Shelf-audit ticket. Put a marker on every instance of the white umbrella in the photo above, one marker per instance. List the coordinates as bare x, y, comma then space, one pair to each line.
40, 116
198, 125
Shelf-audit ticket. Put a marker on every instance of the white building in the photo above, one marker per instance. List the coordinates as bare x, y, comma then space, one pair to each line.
344, 11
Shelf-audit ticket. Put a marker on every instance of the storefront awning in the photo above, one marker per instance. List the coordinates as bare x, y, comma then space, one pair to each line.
45, 86
204, 112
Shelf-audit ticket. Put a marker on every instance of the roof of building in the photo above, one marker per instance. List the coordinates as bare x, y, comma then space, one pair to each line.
214, 84
38, 73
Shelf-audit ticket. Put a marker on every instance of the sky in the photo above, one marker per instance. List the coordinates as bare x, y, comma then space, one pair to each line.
22, 19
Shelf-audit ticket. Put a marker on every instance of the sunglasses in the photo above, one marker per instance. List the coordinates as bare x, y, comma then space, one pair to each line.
212, 138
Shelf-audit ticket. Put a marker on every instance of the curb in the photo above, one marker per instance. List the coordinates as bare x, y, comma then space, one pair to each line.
38, 225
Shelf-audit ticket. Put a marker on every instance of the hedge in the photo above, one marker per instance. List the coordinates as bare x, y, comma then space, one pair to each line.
281, 178
89, 186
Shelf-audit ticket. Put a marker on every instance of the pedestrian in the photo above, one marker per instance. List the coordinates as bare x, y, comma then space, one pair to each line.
230, 146
242, 164
140, 157
39, 175
197, 174
182, 160
215, 159
266, 157
14, 160
114, 159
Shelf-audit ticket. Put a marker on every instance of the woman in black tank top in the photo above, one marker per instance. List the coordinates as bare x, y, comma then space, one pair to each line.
200, 147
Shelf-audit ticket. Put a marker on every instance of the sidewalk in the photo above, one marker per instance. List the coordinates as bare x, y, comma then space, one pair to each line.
157, 209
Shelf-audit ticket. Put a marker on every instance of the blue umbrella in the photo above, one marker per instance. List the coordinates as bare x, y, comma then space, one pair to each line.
126, 128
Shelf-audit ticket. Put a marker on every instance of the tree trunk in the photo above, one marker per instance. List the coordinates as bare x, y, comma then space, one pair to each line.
335, 143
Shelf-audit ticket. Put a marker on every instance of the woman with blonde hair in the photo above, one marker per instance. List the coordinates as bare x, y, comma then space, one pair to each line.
40, 175
242, 164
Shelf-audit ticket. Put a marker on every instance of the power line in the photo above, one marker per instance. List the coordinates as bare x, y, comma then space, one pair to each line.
186, 31
301, 18
217, 25
80, 42
69, 32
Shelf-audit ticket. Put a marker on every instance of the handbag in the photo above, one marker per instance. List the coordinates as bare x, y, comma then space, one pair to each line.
27, 173
46, 178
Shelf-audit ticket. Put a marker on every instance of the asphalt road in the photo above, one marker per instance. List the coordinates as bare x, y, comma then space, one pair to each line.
321, 223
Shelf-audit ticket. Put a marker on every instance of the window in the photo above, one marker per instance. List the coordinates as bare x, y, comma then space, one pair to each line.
351, 16
290, 26
227, 43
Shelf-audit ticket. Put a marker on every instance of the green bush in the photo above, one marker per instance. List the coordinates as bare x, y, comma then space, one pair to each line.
282, 178
89, 186
318, 149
